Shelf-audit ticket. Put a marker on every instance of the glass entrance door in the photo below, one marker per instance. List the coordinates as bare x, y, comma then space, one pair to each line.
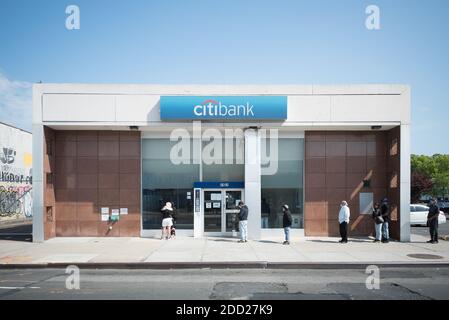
221, 209
213, 201
232, 199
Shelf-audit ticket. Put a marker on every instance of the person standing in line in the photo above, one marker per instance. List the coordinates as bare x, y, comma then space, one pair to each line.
243, 222
378, 221
286, 223
343, 220
167, 220
432, 221
385, 213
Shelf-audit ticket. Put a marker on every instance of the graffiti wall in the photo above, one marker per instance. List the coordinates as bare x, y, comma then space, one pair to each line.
16, 180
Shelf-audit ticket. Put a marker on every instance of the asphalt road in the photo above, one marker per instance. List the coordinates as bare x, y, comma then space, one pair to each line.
19, 232
395, 283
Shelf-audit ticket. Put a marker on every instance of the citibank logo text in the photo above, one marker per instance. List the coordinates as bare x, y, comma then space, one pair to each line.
212, 108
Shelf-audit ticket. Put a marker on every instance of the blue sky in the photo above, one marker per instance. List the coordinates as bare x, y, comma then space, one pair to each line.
231, 42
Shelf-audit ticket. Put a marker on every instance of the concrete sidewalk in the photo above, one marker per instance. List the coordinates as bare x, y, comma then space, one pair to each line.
186, 252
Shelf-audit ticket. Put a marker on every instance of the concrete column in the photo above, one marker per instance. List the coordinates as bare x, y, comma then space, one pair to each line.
252, 182
38, 183
405, 183
198, 215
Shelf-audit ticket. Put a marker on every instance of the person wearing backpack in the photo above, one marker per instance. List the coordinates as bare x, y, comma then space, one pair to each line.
378, 221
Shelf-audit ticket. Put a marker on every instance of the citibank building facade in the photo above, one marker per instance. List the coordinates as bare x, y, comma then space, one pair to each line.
108, 157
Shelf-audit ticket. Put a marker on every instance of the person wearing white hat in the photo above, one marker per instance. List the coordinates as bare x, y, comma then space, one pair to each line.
343, 220
167, 220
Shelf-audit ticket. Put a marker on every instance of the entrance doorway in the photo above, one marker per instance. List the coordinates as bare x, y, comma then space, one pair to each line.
220, 211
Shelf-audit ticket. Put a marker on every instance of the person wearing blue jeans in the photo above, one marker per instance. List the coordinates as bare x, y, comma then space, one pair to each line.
378, 222
286, 223
243, 222
385, 213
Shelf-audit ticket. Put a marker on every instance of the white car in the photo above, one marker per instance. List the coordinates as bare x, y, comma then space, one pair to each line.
418, 215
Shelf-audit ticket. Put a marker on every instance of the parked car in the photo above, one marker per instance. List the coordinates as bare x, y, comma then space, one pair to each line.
418, 215
443, 204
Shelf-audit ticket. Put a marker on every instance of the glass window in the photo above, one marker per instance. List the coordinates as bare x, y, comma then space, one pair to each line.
286, 185
231, 166
164, 181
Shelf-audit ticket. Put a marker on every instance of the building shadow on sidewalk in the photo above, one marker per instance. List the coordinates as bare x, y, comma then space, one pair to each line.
336, 241
269, 241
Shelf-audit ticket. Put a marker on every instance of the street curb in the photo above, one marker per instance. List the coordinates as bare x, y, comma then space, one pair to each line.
224, 265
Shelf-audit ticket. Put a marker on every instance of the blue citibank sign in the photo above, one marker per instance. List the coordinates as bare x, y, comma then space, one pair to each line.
223, 108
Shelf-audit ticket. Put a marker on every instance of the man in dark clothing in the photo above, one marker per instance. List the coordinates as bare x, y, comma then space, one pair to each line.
432, 221
286, 223
243, 222
385, 213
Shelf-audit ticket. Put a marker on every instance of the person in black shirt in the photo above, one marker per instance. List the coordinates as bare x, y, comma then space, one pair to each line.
286, 223
167, 220
243, 222
385, 214
432, 221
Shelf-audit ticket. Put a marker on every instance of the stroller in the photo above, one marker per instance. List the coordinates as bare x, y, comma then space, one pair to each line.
173, 229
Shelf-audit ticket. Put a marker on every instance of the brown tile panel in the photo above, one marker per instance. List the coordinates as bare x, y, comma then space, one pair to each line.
315, 149
108, 148
66, 228
315, 180
393, 179
336, 180
316, 211
87, 228
128, 181
49, 209
65, 165
65, 148
315, 228
315, 165
335, 149
356, 164
65, 181
109, 180
87, 165
109, 197
356, 149
109, 165
130, 166
87, 181
87, 148
336, 163
130, 149
85, 135
335, 195
95, 169
130, 136
314, 195
129, 197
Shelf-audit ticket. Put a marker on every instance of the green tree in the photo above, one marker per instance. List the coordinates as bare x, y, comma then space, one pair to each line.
436, 168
